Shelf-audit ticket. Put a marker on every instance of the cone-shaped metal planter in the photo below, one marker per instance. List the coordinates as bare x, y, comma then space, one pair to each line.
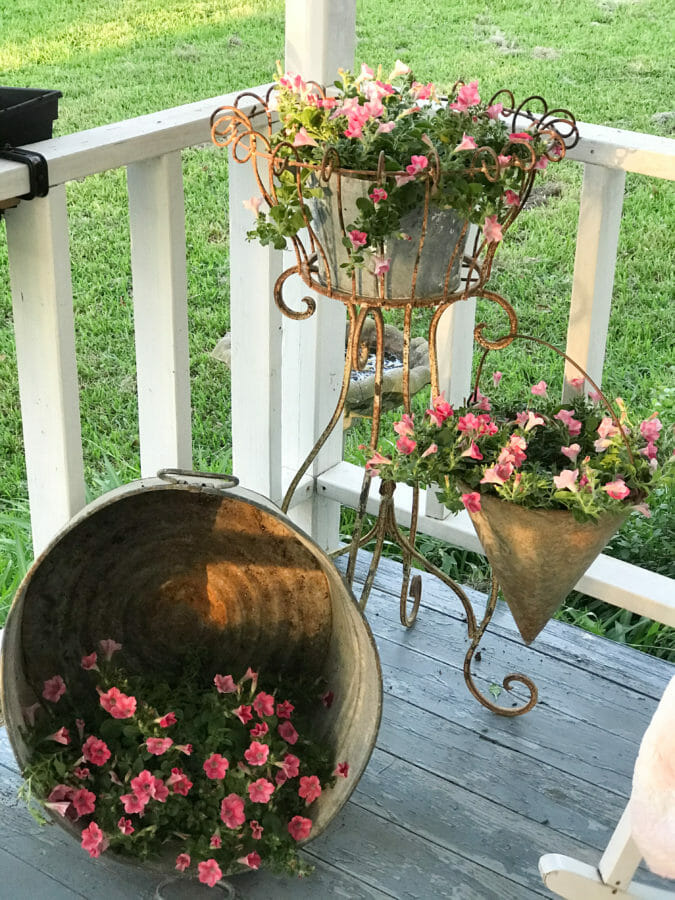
538, 555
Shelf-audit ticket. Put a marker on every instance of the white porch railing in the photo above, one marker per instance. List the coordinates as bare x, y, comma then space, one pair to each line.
285, 375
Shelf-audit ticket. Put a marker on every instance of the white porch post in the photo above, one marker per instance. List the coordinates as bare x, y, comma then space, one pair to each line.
320, 38
39, 254
594, 265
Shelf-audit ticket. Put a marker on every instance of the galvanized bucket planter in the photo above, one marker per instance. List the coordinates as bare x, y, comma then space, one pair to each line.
538, 555
164, 566
408, 275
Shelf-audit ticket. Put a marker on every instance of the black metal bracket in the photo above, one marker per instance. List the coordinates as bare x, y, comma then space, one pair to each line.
38, 172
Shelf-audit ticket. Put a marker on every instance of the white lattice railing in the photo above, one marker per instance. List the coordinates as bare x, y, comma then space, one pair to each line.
300, 362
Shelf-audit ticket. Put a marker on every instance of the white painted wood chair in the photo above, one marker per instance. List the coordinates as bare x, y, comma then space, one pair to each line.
613, 877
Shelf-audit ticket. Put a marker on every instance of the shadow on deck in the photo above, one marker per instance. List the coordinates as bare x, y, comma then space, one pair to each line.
456, 802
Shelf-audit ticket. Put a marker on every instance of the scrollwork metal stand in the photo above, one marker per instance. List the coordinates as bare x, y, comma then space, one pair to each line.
250, 136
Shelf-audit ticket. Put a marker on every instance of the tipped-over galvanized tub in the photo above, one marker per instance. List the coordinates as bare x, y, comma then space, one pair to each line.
164, 566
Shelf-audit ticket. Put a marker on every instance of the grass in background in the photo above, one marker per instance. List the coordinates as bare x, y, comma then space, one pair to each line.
115, 59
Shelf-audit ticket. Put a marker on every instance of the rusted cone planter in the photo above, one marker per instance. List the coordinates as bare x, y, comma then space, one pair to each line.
538, 555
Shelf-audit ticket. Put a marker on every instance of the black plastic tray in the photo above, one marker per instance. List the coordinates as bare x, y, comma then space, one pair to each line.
27, 115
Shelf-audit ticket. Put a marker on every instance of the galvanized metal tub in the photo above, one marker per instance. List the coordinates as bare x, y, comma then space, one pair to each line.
443, 232
160, 566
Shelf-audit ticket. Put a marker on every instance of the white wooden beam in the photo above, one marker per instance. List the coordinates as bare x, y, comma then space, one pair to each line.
157, 224
594, 265
574, 880
39, 263
320, 38
621, 858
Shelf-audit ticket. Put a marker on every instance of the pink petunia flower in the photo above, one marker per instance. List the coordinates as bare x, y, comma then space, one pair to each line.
406, 427
520, 136
342, 770
125, 825
302, 139
250, 675
473, 451
260, 791
108, 646
93, 840
225, 684
400, 68
417, 164
309, 789
95, 751
467, 97
244, 714
259, 730
216, 842
119, 705
232, 811
405, 445
357, 238
376, 460
533, 420
607, 429
216, 766
284, 709
167, 720
209, 872
252, 860
290, 766
143, 784
185, 748
503, 160
84, 802
541, 163
378, 194
492, 230
134, 803
61, 736
54, 688
431, 449
650, 429
81, 772
158, 746
160, 791
256, 830
617, 489
495, 110
498, 474
539, 389
60, 807
264, 704
471, 501
385, 127
497, 377
467, 143
571, 452
567, 480
89, 662
179, 781
299, 828
182, 861
253, 204
256, 754
381, 265
567, 418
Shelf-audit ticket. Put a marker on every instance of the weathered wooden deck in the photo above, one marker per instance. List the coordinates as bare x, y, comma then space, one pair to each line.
456, 802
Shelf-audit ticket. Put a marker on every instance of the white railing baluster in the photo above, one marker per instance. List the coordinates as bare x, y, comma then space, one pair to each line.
39, 255
157, 224
594, 264
320, 38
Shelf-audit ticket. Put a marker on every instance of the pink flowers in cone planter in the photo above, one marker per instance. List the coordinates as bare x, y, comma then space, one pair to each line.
140, 788
525, 455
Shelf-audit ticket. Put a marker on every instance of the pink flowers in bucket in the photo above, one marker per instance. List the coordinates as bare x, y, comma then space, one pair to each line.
215, 774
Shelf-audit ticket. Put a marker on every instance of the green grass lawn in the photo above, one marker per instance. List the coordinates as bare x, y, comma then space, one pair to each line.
607, 60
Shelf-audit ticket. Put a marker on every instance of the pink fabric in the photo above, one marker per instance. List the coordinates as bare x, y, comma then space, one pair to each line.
652, 803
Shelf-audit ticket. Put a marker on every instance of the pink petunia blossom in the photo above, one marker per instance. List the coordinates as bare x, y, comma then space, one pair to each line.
503, 160
381, 264
185, 748
89, 662
467, 97
342, 770
253, 204
576, 383
260, 791
232, 811
256, 754
264, 704
567, 418
511, 198
60, 737
168, 720
533, 420
284, 709
471, 501
243, 713
134, 803
571, 452
81, 772
179, 781
216, 766
250, 675
95, 751
302, 139
160, 791
216, 842
595, 396
377, 195
607, 429
618, 489
495, 110
158, 746
541, 163
497, 377
299, 828
567, 480
182, 861
290, 766
650, 451
473, 452
93, 840
60, 807
403, 179
252, 860
256, 829
417, 164
441, 410
422, 91
309, 789
400, 68
405, 445
125, 825
431, 449
498, 474
54, 688
539, 389
119, 705
406, 427
225, 684
143, 784
650, 429
84, 801
280, 778
108, 646
520, 136
357, 238
62, 793
492, 230
209, 872
467, 143
385, 127
376, 460
259, 730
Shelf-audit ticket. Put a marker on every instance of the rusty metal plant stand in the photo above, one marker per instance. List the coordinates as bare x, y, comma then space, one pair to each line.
250, 136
